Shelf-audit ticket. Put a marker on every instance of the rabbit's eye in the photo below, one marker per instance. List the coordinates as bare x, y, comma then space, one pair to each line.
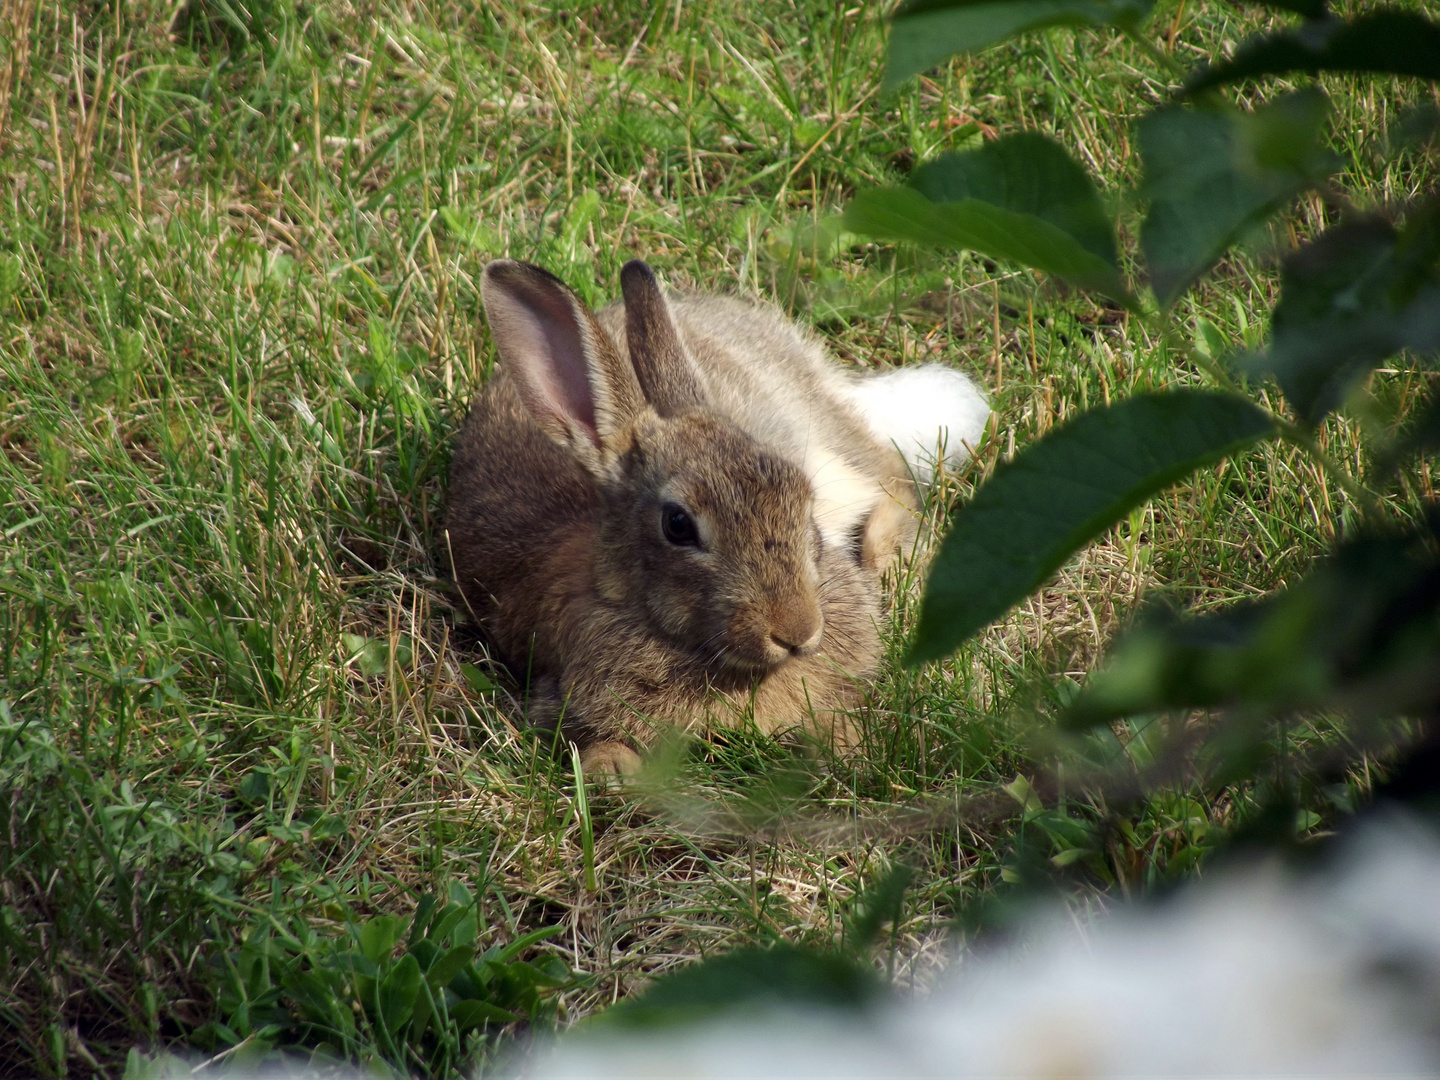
678, 526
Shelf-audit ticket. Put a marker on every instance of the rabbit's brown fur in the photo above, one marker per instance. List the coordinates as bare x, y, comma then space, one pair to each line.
593, 430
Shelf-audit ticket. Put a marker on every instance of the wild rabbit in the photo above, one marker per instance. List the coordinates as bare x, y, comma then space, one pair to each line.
678, 509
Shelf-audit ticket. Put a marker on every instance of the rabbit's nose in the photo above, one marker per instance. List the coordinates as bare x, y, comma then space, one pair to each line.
798, 637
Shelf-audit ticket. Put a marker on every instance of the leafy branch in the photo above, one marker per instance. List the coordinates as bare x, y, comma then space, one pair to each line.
1362, 291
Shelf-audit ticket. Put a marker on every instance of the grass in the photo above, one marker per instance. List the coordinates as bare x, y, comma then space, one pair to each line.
242, 722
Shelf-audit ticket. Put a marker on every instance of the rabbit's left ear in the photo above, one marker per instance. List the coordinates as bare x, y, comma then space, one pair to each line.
570, 375
658, 357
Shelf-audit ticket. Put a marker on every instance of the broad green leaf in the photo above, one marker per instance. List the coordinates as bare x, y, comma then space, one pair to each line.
370, 657
1063, 491
925, 32
472, 230
319, 1000
426, 952
905, 214
1021, 790
480, 684
543, 971
1028, 174
1022, 198
754, 978
1360, 293
461, 896
473, 1013
328, 826
398, 992
379, 935
425, 1011
448, 918
450, 965
1359, 634
420, 921
1382, 42
1212, 175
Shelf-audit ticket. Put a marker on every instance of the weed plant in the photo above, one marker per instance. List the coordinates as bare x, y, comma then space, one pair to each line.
257, 778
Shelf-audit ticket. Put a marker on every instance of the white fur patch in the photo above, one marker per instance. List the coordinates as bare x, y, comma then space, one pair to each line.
843, 495
925, 412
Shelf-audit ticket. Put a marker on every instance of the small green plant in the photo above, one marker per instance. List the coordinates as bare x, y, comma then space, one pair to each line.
412, 993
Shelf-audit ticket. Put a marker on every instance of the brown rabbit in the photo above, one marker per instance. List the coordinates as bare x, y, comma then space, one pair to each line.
672, 513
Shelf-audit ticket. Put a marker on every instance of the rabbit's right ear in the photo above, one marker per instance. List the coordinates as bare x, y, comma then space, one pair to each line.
569, 374
660, 360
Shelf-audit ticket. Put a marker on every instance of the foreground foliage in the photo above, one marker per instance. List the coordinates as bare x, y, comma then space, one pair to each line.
1361, 635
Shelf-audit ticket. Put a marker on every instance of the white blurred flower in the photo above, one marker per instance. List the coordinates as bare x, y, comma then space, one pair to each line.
1255, 973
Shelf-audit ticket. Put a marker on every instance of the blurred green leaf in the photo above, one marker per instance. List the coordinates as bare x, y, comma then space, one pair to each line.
473, 231
750, 979
883, 901
1360, 634
925, 32
1023, 793
1064, 490
1211, 175
371, 656
1414, 127
1029, 174
1361, 292
1382, 42
1311, 9
1021, 198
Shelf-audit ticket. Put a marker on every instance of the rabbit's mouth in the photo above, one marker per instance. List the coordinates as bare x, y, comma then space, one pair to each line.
757, 644
781, 648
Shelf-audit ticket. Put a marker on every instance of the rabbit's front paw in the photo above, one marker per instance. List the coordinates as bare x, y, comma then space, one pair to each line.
609, 758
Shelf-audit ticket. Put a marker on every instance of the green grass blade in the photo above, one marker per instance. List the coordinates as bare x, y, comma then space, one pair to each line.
587, 827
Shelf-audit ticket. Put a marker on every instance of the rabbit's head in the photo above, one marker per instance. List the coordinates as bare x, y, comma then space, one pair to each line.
705, 534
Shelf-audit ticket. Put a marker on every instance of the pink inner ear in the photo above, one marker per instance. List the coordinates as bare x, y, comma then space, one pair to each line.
557, 367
